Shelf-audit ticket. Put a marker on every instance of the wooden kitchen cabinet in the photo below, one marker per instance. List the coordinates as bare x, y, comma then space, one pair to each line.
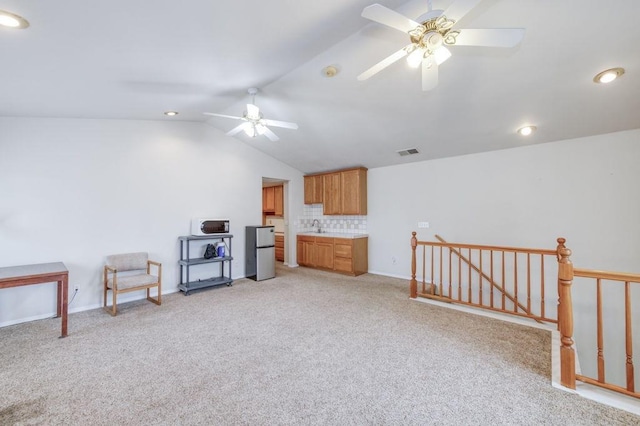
353, 192
306, 250
313, 189
343, 192
344, 255
278, 193
268, 200
273, 200
351, 255
279, 248
324, 253
332, 203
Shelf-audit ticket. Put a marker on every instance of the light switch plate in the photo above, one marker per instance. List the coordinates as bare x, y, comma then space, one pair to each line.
423, 224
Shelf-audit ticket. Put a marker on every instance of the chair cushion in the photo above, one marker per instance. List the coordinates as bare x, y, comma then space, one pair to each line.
128, 261
129, 281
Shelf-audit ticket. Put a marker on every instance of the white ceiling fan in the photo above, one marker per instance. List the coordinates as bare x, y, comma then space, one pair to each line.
254, 123
430, 38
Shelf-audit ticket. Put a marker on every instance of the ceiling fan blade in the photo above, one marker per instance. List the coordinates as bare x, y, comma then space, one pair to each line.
236, 129
378, 13
253, 112
277, 123
495, 37
383, 64
224, 116
429, 74
459, 8
272, 136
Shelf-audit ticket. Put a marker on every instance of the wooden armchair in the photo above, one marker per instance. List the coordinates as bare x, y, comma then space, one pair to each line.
142, 280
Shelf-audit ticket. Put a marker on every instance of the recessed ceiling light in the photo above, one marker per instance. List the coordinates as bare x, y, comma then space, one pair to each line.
11, 20
607, 76
171, 113
526, 130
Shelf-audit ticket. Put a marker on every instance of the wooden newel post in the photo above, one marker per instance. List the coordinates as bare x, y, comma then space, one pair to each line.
414, 284
565, 316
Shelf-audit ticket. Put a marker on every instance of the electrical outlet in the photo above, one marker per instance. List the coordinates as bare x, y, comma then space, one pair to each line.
423, 224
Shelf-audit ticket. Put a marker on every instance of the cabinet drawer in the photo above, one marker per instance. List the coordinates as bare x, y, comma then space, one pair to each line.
343, 250
343, 264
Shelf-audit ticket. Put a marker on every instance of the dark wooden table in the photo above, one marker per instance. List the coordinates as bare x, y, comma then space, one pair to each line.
16, 276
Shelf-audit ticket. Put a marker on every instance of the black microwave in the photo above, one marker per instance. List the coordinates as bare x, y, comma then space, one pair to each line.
209, 226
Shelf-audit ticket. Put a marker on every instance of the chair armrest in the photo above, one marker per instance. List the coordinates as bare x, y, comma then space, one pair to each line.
110, 269
157, 265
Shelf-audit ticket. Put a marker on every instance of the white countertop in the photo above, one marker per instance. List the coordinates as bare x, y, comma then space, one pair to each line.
333, 235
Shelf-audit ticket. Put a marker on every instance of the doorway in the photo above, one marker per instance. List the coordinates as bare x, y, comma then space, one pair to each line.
274, 208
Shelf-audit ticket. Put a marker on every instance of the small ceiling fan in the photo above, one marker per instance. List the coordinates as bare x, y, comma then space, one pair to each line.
430, 38
254, 123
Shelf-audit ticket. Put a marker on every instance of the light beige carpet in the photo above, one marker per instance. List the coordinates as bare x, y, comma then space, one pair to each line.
307, 347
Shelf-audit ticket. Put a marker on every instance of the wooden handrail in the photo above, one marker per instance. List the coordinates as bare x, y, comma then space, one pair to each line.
606, 275
483, 247
488, 278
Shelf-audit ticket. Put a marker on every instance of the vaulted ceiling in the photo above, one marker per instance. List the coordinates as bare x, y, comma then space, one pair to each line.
123, 59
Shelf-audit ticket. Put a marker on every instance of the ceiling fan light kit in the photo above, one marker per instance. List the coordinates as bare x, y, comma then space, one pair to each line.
254, 124
429, 39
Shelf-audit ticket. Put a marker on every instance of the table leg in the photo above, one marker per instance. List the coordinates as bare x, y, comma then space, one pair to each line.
64, 306
59, 305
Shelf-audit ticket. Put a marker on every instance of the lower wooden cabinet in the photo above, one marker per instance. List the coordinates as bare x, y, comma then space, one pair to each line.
324, 253
306, 250
344, 255
279, 248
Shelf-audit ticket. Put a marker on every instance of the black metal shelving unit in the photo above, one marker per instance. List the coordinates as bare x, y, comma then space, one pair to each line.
186, 262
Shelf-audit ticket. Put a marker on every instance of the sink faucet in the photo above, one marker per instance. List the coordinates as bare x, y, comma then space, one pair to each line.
316, 221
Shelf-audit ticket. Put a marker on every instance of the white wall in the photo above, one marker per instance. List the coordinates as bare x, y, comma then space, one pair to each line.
585, 190
77, 190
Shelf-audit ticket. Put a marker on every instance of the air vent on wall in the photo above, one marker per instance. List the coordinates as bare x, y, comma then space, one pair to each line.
409, 151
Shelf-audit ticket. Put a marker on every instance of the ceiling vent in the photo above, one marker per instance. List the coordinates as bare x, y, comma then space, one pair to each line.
410, 151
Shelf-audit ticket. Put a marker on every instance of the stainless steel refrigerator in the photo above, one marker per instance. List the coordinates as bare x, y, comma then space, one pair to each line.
260, 253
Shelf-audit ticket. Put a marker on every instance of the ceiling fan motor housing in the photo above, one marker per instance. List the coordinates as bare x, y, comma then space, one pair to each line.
433, 33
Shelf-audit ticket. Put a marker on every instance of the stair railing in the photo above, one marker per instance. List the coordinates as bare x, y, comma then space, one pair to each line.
516, 281
494, 272
613, 281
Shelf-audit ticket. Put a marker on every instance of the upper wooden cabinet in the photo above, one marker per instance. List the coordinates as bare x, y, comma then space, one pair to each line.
344, 192
272, 200
353, 192
268, 200
332, 195
279, 200
313, 189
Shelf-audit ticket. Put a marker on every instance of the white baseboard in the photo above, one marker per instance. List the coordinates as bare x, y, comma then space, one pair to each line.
73, 310
402, 277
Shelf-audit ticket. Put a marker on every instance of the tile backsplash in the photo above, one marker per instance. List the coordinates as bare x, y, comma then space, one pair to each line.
340, 224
